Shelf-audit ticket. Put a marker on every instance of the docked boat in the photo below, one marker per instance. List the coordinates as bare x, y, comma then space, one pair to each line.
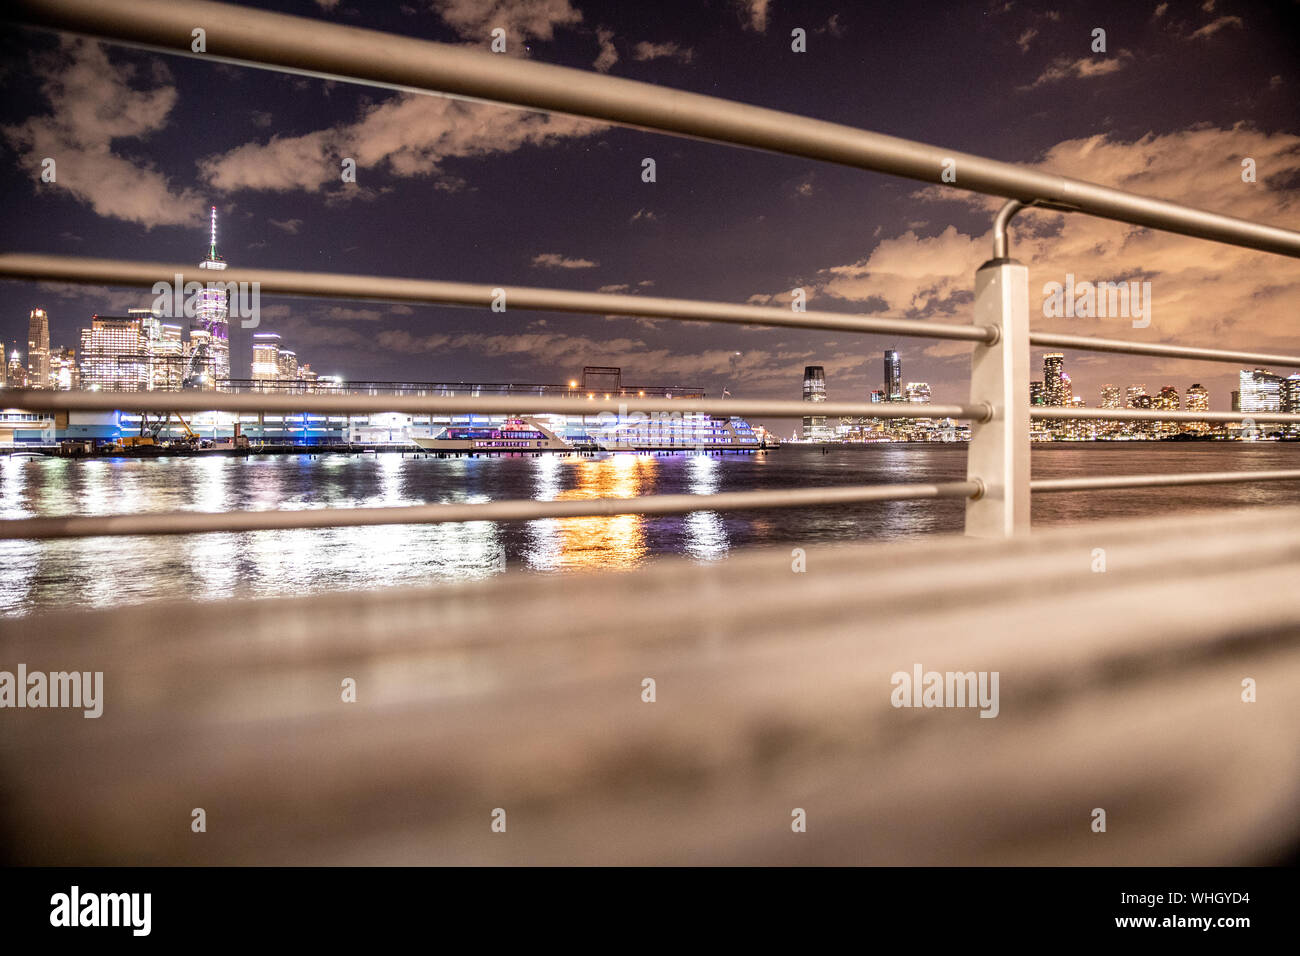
684, 433
511, 435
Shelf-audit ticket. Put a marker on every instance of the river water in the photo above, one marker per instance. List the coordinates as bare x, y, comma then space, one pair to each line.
110, 571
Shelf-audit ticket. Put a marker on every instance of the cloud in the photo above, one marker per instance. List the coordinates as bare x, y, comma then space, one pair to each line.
1160, 11
1083, 68
521, 19
407, 135
657, 51
94, 104
753, 14
1213, 27
832, 26
1024, 39
566, 352
553, 260
1203, 292
291, 226
608, 55
616, 287
107, 300
644, 214
804, 188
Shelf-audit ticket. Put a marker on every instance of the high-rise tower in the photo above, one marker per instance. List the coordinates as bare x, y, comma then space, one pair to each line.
38, 349
893, 377
814, 390
1053, 366
212, 316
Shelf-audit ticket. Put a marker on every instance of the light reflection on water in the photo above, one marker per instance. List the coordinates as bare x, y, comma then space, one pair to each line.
108, 571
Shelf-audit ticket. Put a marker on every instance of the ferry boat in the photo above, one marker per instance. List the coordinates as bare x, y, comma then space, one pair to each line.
685, 433
694, 432
512, 435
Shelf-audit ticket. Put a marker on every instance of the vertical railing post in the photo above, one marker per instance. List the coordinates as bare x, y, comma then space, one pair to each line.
998, 455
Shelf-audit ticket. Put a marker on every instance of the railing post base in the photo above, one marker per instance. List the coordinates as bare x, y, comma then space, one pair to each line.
998, 454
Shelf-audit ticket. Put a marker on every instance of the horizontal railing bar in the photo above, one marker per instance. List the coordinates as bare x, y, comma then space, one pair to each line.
187, 522
1048, 485
1156, 415
327, 285
1087, 343
348, 53
46, 400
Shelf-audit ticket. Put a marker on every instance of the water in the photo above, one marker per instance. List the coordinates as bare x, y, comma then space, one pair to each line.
111, 571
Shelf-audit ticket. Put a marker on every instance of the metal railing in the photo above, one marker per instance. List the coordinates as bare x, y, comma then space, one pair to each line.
998, 486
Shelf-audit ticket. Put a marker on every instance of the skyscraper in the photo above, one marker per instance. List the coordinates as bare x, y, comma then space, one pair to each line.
1291, 399
1053, 366
814, 390
1291, 394
114, 355
266, 357
1261, 391
1198, 400
1134, 393
893, 377
64, 373
1110, 397
1037, 395
212, 315
38, 349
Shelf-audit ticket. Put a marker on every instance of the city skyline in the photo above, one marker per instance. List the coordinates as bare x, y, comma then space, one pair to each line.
142, 168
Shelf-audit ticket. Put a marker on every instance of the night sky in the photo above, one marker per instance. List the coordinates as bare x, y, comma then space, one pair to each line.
451, 190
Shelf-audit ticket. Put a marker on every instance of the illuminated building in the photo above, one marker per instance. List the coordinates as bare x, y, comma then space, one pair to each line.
814, 390
1111, 397
1261, 391
877, 395
918, 393
212, 316
1166, 401
266, 351
1134, 393
167, 358
114, 355
1065, 389
893, 377
198, 364
1053, 369
1037, 394
17, 373
1290, 394
287, 360
1198, 400
1291, 399
38, 349
64, 373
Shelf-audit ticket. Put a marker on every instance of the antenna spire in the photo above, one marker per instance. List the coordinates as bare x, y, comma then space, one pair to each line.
213, 261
